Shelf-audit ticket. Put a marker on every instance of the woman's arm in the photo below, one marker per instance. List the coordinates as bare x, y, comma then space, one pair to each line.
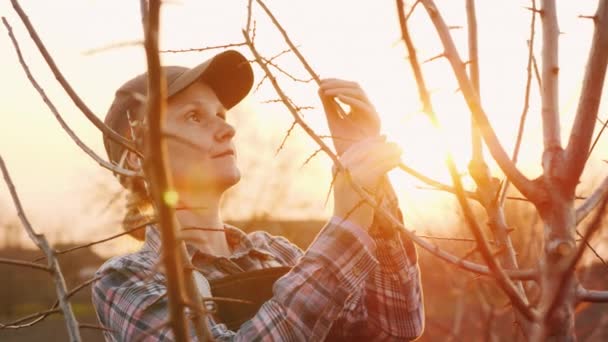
391, 305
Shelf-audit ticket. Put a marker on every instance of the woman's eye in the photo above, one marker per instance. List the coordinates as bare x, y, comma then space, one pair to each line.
222, 116
193, 116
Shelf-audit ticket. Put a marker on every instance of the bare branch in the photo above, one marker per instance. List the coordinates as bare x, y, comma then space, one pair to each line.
474, 76
112, 47
53, 264
592, 201
314, 154
591, 93
524, 111
206, 48
413, 58
156, 158
23, 263
37, 318
107, 131
597, 138
550, 77
293, 125
597, 255
434, 183
112, 237
585, 295
524, 185
114, 168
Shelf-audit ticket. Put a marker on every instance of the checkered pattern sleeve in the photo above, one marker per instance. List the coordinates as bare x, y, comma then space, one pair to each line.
390, 305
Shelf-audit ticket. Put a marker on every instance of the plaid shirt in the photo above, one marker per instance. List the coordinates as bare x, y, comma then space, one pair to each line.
349, 284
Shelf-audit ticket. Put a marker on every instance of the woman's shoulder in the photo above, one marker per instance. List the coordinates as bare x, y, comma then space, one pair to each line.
133, 263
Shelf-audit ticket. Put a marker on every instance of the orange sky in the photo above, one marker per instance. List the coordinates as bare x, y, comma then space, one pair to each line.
356, 40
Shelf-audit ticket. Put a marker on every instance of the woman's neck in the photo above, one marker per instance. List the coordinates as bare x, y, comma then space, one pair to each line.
198, 217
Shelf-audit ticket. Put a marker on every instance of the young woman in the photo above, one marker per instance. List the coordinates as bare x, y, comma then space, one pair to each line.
358, 279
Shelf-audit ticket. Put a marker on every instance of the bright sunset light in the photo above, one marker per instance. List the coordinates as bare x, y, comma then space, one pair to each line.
363, 46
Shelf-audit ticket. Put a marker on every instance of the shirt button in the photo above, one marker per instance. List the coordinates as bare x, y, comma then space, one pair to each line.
356, 271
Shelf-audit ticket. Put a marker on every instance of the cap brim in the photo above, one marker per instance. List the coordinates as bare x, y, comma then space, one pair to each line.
228, 73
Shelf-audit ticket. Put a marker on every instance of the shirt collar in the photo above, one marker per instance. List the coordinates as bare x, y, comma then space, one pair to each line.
239, 241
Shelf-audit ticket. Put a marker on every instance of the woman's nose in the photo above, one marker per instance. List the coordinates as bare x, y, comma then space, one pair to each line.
225, 132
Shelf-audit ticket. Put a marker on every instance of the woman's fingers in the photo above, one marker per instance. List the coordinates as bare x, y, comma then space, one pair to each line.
360, 105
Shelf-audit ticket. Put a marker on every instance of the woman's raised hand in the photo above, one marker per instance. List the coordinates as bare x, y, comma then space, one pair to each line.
360, 123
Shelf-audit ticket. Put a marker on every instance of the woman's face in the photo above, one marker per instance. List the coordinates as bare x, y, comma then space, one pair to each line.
196, 115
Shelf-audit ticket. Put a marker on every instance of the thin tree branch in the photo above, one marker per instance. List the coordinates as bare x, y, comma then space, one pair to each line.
594, 296
434, 183
413, 58
107, 131
112, 237
526, 107
474, 76
23, 263
64, 125
591, 93
588, 244
53, 264
550, 77
592, 201
206, 48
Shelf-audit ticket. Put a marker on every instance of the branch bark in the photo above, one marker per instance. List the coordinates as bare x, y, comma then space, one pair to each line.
591, 295
156, 162
550, 76
591, 93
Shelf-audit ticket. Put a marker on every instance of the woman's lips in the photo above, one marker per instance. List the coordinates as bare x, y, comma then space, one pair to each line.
223, 154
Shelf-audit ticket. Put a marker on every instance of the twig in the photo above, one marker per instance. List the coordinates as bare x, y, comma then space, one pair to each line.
107, 131
112, 237
434, 183
23, 263
314, 154
597, 138
524, 111
588, 244
206, 48
592, 201
64, 125
112, 47
53, 264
